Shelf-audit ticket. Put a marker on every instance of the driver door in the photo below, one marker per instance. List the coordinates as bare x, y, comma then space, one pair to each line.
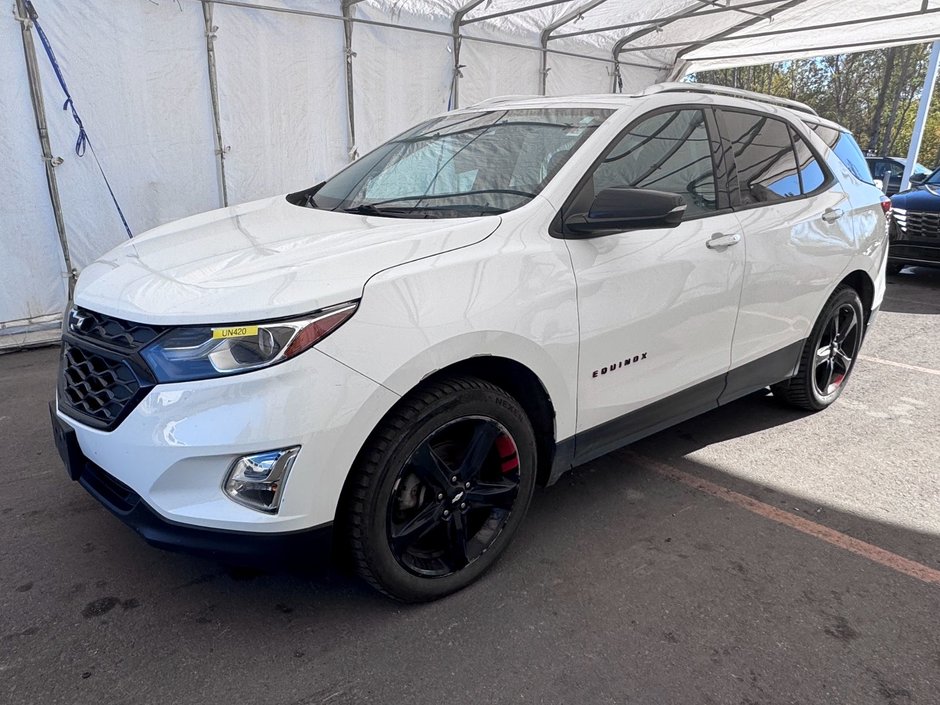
657, 306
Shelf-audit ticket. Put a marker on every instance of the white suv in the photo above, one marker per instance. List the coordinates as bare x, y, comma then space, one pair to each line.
496, 296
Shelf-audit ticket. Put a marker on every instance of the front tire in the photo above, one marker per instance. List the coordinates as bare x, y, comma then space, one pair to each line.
829, 354
440, 489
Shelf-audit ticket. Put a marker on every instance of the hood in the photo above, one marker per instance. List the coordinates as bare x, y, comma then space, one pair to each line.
920, 198
260, 260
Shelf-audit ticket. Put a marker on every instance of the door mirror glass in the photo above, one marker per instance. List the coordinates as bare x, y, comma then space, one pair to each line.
919, 178
622, 208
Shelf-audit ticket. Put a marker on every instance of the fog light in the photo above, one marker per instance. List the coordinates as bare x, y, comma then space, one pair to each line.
257, 480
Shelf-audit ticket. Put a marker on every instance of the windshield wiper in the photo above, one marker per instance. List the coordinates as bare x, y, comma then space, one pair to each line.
372, 209
477, 192
424, 211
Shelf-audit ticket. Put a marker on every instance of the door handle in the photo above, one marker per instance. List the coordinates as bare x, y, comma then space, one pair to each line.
831, 215
720, 240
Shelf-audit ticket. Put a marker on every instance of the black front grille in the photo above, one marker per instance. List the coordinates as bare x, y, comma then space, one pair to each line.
97, 386
125, 335
102, 377
918, 224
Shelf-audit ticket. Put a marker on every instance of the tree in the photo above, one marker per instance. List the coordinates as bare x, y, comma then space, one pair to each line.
874, 94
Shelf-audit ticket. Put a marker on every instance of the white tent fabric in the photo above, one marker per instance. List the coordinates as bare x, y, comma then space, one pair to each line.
139, 74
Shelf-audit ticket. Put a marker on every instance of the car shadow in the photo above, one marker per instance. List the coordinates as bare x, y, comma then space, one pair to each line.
914, 290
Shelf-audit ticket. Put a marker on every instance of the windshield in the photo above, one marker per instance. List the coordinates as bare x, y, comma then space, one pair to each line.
460, 165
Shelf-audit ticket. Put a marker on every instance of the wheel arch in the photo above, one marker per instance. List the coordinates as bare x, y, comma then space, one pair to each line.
516, 378
862, 282
525, 387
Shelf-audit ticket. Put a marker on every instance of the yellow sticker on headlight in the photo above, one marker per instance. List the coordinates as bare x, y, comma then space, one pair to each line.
235, 332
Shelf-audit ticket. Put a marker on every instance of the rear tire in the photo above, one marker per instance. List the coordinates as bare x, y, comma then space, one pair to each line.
829, 354
440, 489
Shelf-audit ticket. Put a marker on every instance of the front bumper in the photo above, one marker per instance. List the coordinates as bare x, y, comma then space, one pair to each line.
906, 252
175, 448
921, 247
314, 545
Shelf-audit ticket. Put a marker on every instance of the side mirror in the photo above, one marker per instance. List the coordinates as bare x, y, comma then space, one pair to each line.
918, 178
620, 208
880, 185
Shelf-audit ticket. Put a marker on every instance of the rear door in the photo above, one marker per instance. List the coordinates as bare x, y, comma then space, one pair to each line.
797, 226
657, 306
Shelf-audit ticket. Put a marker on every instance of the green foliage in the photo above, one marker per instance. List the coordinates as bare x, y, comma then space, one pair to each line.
874, 94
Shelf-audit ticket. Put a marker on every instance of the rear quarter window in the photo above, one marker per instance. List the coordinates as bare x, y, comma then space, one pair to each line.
847, 149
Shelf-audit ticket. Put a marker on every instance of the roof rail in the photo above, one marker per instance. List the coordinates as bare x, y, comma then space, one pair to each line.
676, 87
496, 100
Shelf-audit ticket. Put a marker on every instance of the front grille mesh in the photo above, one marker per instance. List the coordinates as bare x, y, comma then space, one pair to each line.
95, 385
102, 376
919, 224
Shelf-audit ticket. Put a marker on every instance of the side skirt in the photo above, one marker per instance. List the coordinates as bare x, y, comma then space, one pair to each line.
682, 406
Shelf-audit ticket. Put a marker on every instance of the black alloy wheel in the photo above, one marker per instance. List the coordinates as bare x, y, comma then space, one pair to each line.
453, 497
440, 489
829, 354
835, 353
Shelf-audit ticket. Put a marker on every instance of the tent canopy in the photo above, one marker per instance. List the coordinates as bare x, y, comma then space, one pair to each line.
190, 105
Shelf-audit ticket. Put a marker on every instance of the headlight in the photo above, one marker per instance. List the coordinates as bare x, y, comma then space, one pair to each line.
199, 352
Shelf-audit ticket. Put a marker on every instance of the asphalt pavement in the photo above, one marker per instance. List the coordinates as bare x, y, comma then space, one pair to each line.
752, 555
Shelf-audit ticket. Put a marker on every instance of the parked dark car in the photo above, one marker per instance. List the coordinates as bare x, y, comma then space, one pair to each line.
890, 170
915, 225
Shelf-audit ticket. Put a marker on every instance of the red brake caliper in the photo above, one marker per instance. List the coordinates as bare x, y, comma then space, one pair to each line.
508, 458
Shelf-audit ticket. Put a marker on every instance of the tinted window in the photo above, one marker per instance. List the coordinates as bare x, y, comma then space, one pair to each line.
666, 152
847, 149
880, 167
811, 174
764, 156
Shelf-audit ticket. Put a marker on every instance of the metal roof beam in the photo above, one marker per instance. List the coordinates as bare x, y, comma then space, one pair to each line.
568, 17
738, 27
689, 11
660, 20
794, 30
462, 12
830, 48
515, 11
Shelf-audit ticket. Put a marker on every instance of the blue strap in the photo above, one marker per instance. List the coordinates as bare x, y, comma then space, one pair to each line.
82, 142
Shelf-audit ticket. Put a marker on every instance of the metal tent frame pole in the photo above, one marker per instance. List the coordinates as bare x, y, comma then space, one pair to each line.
353, 151
621, 43
220, 149
546, 36
923, 109
50, 162
456, 22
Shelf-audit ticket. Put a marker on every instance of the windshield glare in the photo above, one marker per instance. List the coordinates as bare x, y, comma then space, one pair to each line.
461, 165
